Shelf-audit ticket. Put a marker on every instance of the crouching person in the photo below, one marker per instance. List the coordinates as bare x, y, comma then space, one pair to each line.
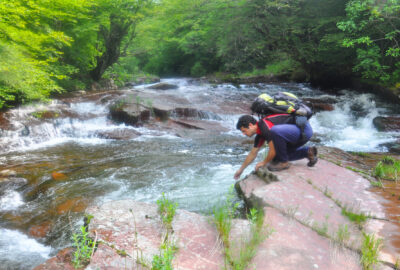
285, 141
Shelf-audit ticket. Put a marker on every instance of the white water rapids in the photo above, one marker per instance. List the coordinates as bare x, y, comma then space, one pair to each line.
195, 172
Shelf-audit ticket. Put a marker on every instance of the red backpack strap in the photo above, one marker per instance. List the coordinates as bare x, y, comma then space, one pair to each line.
268, 118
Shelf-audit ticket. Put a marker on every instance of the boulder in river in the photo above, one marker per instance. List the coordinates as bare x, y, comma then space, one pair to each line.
390, 123
319, 105
143, 80
163, 86
129, 113
119, 134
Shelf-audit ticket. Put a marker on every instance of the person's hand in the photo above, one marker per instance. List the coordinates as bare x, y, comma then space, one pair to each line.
260, 164
237, 174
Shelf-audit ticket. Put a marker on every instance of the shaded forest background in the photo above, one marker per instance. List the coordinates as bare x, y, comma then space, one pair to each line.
53, 46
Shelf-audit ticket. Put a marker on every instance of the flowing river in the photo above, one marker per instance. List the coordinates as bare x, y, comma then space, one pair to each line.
63, 164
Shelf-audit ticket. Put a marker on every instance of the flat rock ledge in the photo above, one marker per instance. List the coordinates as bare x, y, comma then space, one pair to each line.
303, 210
304, 207
130, 234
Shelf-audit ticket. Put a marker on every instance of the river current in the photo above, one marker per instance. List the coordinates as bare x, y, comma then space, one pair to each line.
62, 165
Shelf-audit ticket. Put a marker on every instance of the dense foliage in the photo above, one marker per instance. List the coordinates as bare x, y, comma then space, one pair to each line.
373, 29
52, 46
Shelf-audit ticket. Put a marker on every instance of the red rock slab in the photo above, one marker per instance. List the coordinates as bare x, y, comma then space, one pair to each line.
60, 262
298, 199
344, 185
135, 228
198, 242
294, 246
107, 258
239, 236
129, 226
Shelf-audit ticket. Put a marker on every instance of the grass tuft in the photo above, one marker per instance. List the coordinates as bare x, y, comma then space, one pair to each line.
370, 251
163, 261
357, 218
343, 234
167, 210
223, 217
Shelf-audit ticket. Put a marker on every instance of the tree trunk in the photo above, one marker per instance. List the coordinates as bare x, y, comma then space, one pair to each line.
112, 42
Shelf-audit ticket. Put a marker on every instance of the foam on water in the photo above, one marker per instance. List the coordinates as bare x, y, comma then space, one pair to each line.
149, 137
10, 201
196, 189
350, 125
17, 249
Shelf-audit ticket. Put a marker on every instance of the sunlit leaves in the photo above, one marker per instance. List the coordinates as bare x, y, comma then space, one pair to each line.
32, 39
373, 27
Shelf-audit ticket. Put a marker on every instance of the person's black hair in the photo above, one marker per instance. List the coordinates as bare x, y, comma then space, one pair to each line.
245, 120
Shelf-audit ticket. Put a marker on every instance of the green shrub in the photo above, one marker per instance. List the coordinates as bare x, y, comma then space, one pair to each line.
198, 70
84, 246
167, 209
388, 168
164, 260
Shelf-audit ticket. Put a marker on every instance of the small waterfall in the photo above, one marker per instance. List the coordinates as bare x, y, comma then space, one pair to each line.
349, 126
79, 122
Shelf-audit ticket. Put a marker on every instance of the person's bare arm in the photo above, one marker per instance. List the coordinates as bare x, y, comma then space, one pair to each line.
270, 156
249, 159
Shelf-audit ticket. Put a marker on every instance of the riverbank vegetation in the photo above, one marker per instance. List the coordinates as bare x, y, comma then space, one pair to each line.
388, 168
239, 252
46, 48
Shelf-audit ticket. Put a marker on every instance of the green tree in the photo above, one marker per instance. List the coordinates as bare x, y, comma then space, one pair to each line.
31, 47
373, 28
117, 27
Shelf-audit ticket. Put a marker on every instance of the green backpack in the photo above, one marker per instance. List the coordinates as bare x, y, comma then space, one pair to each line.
282, 102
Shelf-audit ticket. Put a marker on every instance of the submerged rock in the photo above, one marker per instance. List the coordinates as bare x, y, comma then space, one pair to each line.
8, 172
58, 176
11, 183
40, 230
393, 147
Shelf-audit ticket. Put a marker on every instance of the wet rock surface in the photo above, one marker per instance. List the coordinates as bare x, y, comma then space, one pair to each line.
391, 123
11, 183
321, 104
163, 86
60, 262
